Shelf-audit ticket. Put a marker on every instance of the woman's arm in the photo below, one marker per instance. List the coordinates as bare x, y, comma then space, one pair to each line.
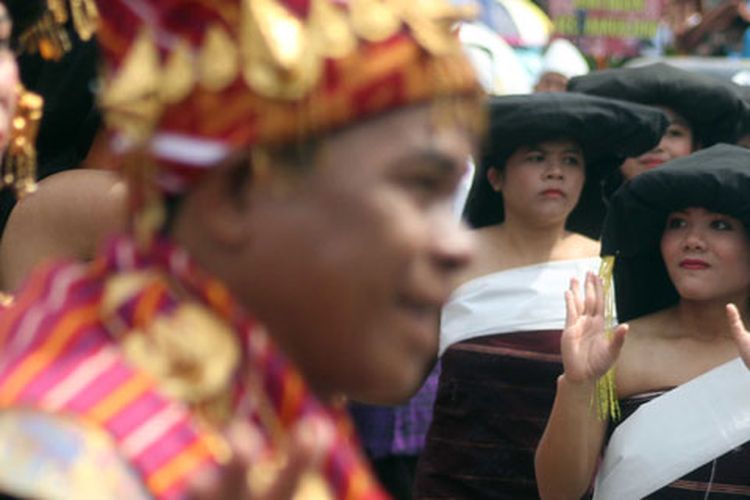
569, 449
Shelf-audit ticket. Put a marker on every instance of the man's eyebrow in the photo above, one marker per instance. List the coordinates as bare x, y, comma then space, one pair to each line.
445, 164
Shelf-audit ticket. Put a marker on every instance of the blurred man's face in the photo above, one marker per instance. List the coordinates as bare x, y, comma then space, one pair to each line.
349, 267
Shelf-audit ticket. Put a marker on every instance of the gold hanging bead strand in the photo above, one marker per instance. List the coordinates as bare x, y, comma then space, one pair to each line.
374, 20
33, 106
148, 212
85, 18
19, 167
278, 59
333, 35
178, 75
218, 61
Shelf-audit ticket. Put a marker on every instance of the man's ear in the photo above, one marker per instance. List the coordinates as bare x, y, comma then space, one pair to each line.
495, 178
218, 204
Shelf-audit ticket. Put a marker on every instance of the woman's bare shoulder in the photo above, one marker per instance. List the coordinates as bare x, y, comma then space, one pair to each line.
651, 326
66, 217
587, 246
637, 365
577, 246
489, 255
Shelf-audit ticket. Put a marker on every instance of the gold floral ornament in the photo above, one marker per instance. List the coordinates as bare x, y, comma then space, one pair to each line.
190, 351
48, 36
18, 170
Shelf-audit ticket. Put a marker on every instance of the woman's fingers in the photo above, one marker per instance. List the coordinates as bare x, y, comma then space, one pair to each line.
735, 322
618, 339
575, 290
310, 440
739, 333
571, 310
590, 306
230, 481
308, 443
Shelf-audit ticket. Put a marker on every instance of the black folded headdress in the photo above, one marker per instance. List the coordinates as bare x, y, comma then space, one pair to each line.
607, 130
717, 179
712, 108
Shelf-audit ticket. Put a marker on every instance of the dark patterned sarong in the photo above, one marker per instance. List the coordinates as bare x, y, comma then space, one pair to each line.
493, 400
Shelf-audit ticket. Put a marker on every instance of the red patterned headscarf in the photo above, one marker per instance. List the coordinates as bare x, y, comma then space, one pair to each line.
196, 80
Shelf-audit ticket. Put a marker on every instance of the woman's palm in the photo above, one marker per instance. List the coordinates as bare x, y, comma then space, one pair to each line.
586, 351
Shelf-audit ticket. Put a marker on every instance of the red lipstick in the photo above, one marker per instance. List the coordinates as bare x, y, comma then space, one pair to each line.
694, 264
553, 193
652, 162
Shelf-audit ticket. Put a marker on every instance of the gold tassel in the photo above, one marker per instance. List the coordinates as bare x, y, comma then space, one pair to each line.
605, 397
147, 210
19, 165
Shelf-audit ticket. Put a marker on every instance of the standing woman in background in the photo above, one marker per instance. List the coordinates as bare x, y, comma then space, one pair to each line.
680, 238
702, 111
500, 331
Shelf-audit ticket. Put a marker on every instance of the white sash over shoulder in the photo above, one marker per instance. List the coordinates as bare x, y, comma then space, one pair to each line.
677, 433
521, 299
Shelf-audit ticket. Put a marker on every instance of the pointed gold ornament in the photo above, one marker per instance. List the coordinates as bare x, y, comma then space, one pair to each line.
59, 10
333, 35
178, 75
85, 17
375, 20
132, 98
277, 57
218, 60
